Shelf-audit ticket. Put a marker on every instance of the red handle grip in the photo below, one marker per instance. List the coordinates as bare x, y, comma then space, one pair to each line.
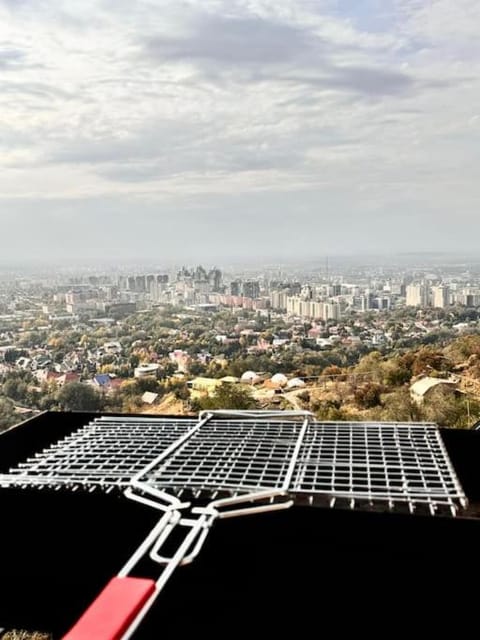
112, 613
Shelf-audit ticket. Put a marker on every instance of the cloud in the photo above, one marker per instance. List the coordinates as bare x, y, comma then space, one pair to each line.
11, 59
234, 41
162, 148
371, 81
257, 49
33, 89
328, 112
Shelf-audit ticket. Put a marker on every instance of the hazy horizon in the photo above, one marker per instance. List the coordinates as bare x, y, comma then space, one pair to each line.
220, 130
320, 264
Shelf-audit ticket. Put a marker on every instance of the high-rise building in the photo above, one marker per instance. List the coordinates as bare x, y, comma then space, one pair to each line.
417, 295
382, 303
215, 280
365, 301
149, 282
468, 298
441, 296
331, 311
251, 289
306, 293
278, 299
317, 310
293, 305
140, 283
235, 288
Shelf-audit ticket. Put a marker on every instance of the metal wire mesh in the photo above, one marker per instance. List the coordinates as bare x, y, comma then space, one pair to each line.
363, 463
231, 456
393, 463
106, 453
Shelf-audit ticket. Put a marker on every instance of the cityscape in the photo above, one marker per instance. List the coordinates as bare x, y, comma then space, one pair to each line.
177, 339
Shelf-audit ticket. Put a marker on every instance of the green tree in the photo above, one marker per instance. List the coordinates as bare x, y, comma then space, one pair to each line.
15, 388
449, 409
463, 348
197, 369
179, 389
396, 373
334, 371
7, 414
229, 396
12, 355
372, 367
399, 407
77, 396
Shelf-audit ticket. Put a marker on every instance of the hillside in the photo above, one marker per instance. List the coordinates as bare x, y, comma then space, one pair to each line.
380, 387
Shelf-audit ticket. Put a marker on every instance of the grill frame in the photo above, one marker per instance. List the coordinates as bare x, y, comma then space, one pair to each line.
403, 464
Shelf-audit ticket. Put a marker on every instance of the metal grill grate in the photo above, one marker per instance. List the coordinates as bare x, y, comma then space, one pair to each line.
231, 456
103, 454
363, 463
371, 462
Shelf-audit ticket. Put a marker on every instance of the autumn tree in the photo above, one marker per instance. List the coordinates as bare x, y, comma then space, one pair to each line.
427, 360
368, 395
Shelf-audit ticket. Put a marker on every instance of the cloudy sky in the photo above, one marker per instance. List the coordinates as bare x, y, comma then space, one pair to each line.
243, 128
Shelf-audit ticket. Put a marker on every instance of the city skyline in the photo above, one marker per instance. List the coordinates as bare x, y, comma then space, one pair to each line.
228, 129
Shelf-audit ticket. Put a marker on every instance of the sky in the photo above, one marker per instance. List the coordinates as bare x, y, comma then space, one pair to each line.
230, 129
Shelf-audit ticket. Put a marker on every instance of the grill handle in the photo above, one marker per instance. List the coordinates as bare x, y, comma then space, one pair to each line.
199, 529
114, 610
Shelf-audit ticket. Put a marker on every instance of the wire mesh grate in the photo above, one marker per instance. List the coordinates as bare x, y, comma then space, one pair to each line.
395, 463
231, 456
364, 463
106, 453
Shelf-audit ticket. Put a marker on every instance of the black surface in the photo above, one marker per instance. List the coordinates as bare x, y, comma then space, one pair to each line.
58, 550
307, 569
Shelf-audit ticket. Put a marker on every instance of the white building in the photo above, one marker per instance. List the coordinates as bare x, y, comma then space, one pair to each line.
146, 370
331, 311
278, 299
417, 295
441, 296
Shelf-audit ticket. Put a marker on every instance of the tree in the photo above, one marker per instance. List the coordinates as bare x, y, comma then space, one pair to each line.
77, 396
372, 366
428, 359
462, 348
197, 369
179, 389
229, 396
368, 395
332, 410
396, 373
7, 414
15, 389
333, 370
12, 355
449, 409
399, 407
134, 361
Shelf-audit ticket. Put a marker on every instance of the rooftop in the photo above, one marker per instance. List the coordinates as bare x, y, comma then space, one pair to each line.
424, 385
